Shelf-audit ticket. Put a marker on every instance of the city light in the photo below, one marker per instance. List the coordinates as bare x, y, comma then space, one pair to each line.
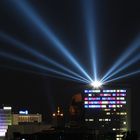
96, 84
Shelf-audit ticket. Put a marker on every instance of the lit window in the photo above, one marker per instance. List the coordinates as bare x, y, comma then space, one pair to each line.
86, 102
86, 120
108, 113
107, 109
119, 135
124, 122
91, 120
86, 98
123, 129
123, 113
104, 102
121, 98
123, 102
86, 91
112, 106
86, 106
118, 139
103, 106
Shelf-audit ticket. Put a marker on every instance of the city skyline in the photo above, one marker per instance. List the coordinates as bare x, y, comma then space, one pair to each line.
117, 26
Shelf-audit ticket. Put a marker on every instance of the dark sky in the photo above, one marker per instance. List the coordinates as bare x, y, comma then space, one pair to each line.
117, 23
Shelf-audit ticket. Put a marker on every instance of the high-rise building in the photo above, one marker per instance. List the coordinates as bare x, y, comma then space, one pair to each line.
5, 120
108, 110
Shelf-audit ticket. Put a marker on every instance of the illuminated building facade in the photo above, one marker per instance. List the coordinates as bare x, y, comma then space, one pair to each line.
5, 120
24, 117
107, 110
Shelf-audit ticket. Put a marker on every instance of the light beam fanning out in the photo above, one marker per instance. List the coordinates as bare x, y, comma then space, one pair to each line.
30, 14
36, 20
134, 60
89, 18
31, 63
132, 48
35, 53
41, 73
123, 76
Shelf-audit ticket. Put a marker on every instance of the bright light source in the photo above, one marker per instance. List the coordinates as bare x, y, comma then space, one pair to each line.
7, 108
53, 114
96, 84
23, 112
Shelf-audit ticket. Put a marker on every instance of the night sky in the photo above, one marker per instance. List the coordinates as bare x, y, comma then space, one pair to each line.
117, 25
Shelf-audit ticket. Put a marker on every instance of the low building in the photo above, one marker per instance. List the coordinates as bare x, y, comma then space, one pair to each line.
24, 117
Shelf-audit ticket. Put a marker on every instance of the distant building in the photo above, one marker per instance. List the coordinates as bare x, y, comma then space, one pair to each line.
5, 120
24, 117
108, 110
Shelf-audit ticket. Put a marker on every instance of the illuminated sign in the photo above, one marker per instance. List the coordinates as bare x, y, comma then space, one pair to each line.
7, 108
23, 112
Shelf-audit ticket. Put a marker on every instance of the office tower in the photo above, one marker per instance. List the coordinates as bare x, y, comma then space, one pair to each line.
108, 110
